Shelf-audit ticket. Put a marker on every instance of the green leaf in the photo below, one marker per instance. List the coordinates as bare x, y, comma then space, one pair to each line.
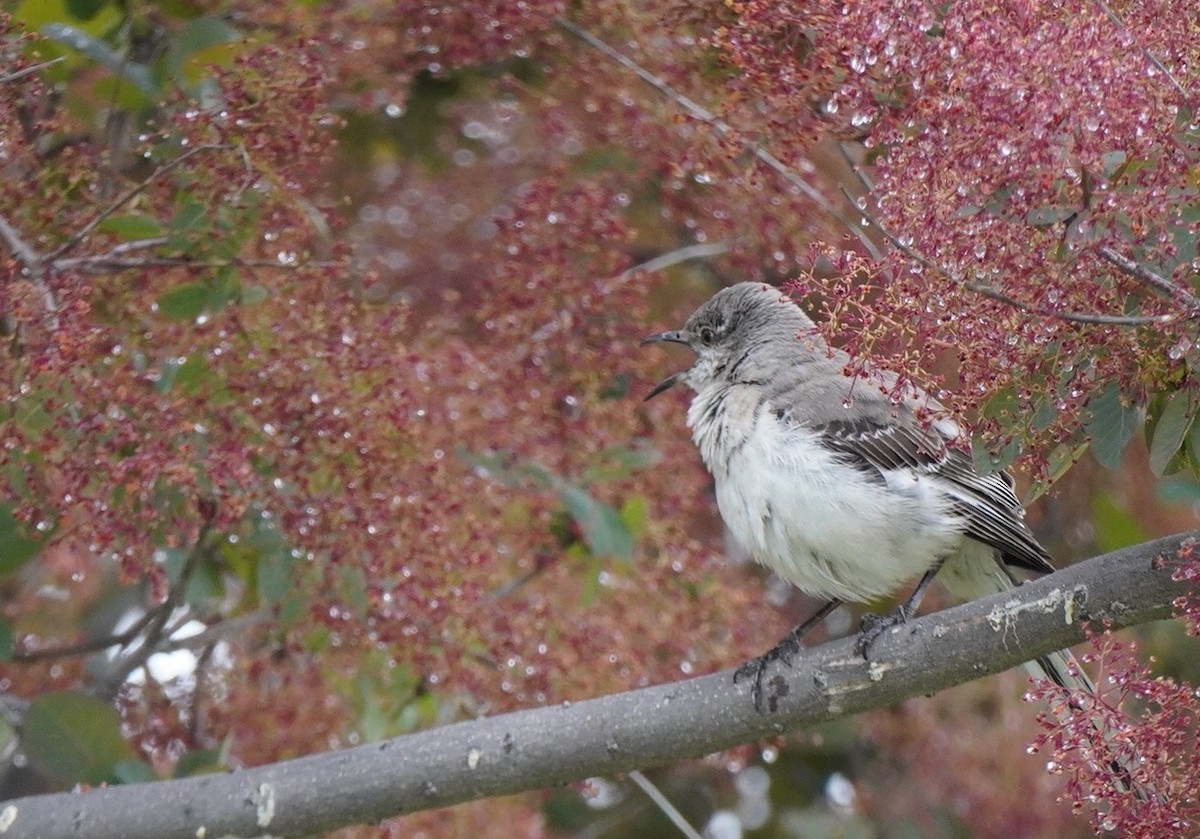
633, 515
133, 772
1111, 425
199, 762
16, 548
188, 218
74, 738
1046, 216
1061, 459
86, 44
1171, 429
255, 294
352, 588
986, 461
1116, 527
6, 640
184, 302
192, 376
85, 9
131, 228
193, 43
603, 530
273, 576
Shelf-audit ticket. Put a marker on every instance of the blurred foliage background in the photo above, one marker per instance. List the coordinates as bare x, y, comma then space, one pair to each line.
322, 395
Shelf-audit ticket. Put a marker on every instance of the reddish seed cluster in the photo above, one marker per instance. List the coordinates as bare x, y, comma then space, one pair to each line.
1085, 735
1011, 147
410, 462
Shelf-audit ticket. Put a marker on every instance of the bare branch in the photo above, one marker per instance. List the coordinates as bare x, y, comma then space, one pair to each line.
664, 804
701, 114
34, 263
106, 263
128, 196
987, 291
540, 747
667, 260
152, 622
1150, 278
1151, 57
30, 70
91, 645
21, 249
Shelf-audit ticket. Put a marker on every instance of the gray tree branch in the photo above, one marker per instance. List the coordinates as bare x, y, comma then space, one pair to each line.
540, 747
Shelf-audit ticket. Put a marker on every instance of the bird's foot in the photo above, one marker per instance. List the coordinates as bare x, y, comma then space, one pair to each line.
755, 669
872, 626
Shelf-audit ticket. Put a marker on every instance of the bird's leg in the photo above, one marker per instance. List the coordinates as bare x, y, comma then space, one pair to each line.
783, 651
873, 626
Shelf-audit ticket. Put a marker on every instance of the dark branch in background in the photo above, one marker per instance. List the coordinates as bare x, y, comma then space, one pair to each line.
541, 747
1151, 57
149, 630
698, 112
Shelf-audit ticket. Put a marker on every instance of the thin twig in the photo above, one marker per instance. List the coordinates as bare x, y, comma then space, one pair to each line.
1146, 276
1162, 68
854, 167
21, 249
154, 618
34, 263
92, 645
215, 633
698, 112
199, 677
667, 260
663, 803
128, 196
30, 70
103, 263
987, 291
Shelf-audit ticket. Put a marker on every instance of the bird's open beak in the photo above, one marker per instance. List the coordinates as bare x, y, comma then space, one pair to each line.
673, 336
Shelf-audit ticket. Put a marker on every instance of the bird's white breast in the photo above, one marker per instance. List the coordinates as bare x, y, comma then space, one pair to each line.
829, 528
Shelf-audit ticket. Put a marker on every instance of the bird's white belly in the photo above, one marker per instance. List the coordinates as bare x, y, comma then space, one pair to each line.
825, 526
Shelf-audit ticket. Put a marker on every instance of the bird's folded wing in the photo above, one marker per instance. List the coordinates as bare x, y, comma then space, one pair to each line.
988, 504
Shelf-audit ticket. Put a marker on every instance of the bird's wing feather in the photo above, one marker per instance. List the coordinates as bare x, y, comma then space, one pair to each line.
988, 504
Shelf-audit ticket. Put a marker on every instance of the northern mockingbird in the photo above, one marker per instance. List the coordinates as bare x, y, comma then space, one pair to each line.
837, 488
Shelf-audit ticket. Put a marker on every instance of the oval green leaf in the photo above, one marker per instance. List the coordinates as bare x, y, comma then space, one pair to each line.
603, 530
1111, 425
1171, 429
184, 302
16, 548
75, 739
131, 228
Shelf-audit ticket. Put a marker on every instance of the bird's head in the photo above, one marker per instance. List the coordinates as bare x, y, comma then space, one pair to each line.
743, 332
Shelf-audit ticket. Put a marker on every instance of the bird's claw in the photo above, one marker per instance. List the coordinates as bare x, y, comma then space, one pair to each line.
872, 626
755, 668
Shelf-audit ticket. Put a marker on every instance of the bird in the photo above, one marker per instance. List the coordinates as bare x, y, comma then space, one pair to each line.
849, 487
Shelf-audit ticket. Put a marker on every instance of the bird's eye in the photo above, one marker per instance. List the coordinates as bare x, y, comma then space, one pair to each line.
707, 336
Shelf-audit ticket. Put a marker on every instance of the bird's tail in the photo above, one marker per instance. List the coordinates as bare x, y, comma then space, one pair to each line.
970, 578
1063, 669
